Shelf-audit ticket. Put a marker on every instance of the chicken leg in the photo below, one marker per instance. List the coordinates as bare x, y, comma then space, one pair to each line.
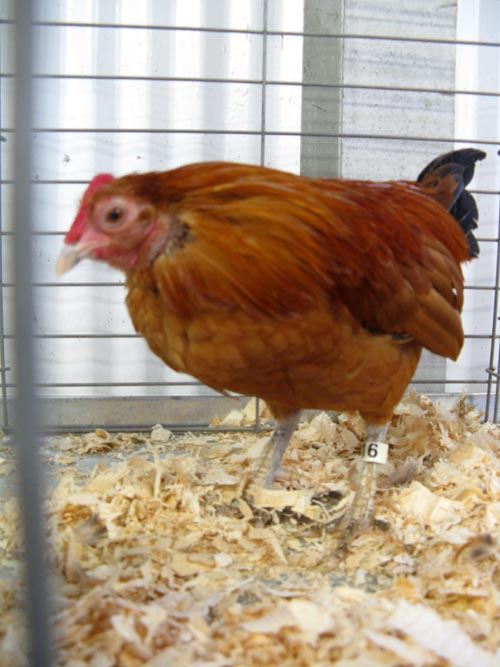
270, 459
359, 515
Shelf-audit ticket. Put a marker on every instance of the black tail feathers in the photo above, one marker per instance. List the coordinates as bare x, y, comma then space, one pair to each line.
460, 165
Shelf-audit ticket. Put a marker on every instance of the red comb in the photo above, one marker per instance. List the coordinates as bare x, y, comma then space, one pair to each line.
76, 230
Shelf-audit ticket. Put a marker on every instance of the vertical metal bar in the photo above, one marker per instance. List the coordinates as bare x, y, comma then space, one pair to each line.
494, 323
497, 285
26, 420
497, 397
263, 111
3, 361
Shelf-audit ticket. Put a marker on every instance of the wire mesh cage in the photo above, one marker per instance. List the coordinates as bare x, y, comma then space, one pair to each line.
128, 87
350, 88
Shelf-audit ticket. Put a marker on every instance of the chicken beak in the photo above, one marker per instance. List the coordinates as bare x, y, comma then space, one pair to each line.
68, 258
87, 245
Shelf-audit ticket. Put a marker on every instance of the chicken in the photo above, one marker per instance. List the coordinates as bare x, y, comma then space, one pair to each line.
309, 293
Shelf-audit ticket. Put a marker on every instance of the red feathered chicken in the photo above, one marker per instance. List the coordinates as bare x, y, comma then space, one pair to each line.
309, 293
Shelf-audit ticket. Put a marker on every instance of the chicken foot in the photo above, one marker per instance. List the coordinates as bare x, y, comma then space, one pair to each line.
359, 515
270, 459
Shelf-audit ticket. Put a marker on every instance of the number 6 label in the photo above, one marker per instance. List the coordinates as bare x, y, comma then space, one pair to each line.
375, 452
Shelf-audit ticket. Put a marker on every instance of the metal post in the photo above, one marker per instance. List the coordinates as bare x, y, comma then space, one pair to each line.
493, 342
3, 362
26, 419
322, 106
263, 107
263, 112
494, 325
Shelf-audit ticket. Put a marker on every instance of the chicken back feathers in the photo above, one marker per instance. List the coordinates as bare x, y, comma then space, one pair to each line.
310, 293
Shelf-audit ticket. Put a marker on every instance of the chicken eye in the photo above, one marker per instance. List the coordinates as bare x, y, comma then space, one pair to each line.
114, 215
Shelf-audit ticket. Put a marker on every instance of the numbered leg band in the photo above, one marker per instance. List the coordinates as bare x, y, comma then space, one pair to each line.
375, 452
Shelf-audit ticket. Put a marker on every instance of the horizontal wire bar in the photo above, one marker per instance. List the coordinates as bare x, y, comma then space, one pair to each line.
487, 240
257, 82
62, 385
103, 385
51, 181
141, 428
257, 133
257, 32
42, 233
92, 336
61, 284
113, 336
53, 233
86, 182
481, 288
481, 336
445, 381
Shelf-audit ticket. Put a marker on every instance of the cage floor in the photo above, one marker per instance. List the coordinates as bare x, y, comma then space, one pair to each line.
158, 559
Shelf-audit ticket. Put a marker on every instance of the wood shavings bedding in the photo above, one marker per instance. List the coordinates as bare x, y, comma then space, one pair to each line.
158, 559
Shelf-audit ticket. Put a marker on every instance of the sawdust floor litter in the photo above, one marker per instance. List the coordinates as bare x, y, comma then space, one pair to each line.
157, 559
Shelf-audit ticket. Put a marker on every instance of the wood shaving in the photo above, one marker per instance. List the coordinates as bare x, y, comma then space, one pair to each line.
159, 559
